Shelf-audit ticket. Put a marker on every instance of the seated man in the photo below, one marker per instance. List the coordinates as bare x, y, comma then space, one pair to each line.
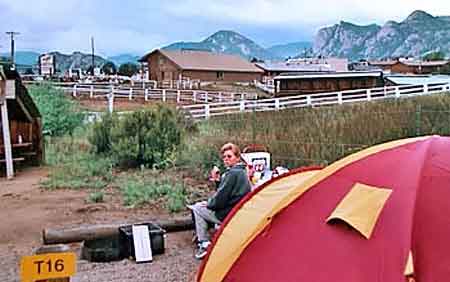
233, 186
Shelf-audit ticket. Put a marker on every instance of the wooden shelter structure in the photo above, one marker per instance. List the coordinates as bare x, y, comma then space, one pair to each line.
21, 127
322, 82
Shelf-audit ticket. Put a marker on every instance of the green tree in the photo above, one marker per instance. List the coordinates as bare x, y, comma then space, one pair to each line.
128, 69
434, 56
109, 68
60, 114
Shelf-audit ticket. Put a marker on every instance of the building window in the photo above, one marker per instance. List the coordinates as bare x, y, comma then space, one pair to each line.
219, 75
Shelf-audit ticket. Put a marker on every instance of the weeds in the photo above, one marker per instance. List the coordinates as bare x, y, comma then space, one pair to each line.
96, 197
319, 136
73, 166
139, 191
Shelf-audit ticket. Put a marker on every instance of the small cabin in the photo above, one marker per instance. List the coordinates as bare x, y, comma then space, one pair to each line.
21, 140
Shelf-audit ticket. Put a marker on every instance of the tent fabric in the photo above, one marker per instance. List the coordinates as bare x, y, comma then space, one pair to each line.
294, 242
361, 207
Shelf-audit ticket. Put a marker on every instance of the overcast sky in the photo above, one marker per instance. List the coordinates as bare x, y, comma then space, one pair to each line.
139, 26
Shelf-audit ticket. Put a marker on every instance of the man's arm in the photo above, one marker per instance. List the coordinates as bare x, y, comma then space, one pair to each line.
221, 197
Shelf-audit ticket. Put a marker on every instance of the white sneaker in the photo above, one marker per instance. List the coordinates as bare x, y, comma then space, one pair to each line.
202, 249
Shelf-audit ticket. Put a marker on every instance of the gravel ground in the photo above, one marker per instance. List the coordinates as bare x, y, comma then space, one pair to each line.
26, 210
176, 264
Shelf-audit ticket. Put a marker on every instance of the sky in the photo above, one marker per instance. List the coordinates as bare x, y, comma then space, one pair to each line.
139, 26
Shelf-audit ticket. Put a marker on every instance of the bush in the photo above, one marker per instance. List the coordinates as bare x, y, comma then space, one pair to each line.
96, 197
60, 114
100, 137
147, 137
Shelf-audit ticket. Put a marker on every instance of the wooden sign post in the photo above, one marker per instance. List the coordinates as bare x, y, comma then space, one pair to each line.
4, 93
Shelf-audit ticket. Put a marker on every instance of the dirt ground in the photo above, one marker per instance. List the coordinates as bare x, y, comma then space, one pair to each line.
26, 210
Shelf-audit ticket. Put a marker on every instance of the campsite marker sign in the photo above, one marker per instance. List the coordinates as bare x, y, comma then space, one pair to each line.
47, 266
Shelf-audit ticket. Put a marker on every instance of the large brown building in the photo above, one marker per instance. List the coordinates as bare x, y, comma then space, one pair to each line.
202, 65
309, 83
412, 66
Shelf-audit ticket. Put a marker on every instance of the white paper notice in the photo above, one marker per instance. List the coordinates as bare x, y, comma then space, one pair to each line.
141, 240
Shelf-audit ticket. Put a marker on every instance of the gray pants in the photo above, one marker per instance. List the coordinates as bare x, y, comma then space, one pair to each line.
203, 216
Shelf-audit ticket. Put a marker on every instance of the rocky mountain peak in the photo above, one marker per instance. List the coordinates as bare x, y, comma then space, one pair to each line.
418, 16
418, 34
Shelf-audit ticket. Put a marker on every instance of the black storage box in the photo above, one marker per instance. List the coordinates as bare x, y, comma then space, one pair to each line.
101, 249
126, 240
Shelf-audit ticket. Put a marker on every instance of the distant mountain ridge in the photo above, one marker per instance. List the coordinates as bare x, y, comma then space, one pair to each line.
417, 35
76, 60
28, 58
231, 42
123, 59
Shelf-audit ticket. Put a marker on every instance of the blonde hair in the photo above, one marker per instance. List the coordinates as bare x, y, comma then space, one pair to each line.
233, 147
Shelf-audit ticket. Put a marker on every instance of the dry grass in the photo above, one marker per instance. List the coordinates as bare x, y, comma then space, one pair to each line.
323, 135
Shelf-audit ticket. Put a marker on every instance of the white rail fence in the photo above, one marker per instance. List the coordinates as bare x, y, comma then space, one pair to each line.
147, 94
268, 86
205, 111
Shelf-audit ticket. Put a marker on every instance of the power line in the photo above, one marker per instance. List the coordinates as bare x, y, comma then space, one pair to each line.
12, 34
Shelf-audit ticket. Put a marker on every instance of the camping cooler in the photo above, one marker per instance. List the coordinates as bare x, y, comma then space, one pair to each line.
126, 240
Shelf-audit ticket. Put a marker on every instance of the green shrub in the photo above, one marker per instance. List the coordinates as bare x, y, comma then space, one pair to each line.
96, 197
100, 137
146, 137
60, 114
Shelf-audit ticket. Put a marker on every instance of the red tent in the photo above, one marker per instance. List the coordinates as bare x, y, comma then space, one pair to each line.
382, 214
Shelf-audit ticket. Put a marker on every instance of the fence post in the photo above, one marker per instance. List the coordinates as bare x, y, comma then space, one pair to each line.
418, 119
146, 94
242, 96
91, 92
277, 104
164, 95
178, 96
308, 100
74, 92
194, 96
206, 97
425, 89
220, 96
242, 105
207, 111
397, 92
111, 102
340, 98
130, 97
369, 98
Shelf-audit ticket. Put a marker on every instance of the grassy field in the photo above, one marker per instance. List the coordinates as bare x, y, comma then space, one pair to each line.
312, 136
319, 136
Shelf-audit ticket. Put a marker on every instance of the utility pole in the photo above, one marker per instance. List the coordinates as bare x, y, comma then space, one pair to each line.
12, 34
93, 60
